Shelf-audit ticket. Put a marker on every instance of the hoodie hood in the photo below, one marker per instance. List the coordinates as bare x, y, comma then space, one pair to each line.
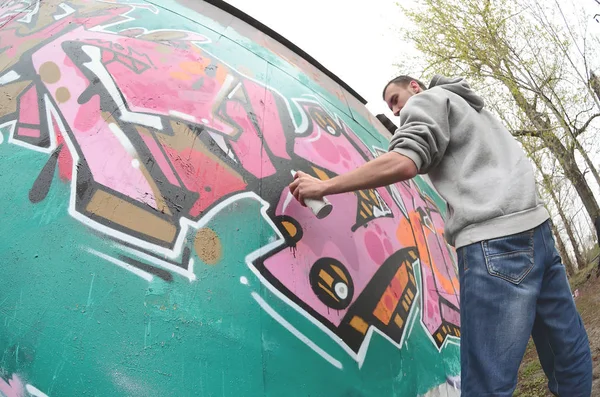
460, 87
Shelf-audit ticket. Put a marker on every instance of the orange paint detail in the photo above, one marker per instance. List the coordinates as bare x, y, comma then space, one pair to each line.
359, 324
398, 320
326, 277
404, 233
192, 67
340, 273
391, 294
181, 76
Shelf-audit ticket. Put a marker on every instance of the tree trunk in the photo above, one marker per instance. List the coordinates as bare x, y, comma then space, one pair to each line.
580, 261
595, 84
565, 157
588, 161
566, 260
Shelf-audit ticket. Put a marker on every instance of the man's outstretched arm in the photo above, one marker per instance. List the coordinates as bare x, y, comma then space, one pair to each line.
385, 170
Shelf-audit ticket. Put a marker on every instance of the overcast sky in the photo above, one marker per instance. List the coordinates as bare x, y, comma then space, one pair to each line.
357, 41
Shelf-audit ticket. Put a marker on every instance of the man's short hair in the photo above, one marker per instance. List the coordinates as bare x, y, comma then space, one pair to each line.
404, 81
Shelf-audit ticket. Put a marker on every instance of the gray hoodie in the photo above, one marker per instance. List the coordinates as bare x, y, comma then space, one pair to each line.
472, 160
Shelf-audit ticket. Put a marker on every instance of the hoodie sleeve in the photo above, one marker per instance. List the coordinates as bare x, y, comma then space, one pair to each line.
424, 132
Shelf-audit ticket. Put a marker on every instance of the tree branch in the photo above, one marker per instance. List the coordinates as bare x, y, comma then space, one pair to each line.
531, 133
581, 130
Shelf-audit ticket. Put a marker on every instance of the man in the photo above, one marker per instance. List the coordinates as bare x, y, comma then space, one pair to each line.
513, 283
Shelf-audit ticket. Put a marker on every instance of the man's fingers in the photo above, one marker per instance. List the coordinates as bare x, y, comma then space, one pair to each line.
300, 198
294, 185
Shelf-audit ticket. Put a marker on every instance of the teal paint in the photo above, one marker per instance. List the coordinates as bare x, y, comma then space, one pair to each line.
96, 301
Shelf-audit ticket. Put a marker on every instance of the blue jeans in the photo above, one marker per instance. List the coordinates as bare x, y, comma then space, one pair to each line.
512, 287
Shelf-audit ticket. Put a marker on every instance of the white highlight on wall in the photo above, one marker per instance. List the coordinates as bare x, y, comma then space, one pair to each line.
277, 317
67, 10
29, 16
138, 272
182, 115
9, 77
34, 391
244, 280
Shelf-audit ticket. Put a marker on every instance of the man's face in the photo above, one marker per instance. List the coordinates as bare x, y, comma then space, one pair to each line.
396, 95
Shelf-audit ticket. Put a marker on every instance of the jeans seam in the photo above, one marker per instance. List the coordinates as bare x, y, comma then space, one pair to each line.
554, 366
544, 241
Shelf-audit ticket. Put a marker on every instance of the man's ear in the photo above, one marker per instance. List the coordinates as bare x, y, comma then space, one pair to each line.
415, 86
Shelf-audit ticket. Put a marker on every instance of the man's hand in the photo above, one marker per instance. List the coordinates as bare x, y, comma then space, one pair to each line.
385, 170
305, 186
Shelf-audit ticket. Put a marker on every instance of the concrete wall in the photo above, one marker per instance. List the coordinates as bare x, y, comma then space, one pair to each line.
149, 245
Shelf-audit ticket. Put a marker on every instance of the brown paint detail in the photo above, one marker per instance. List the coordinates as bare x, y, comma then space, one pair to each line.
126, 214
439, 337
340, 273
398, 320
320, 174
291, 229
410, 293
326, 277
405, 305
9, 93
208, 246
161, 203
50, 73
62, 95
359, 324
185, 139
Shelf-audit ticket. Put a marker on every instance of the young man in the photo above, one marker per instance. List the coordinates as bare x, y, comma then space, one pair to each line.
513, 283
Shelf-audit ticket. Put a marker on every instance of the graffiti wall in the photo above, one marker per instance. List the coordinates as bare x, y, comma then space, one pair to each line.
149, 244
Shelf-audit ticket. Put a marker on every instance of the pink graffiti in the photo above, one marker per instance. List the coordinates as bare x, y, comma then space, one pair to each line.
13, 388
167, 129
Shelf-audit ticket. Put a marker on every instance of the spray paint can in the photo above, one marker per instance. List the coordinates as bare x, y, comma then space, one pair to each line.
321, 208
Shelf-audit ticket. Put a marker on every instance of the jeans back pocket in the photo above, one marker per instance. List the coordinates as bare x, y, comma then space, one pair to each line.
510, 257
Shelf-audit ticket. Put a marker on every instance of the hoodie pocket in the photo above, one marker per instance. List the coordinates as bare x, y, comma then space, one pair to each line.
510, 257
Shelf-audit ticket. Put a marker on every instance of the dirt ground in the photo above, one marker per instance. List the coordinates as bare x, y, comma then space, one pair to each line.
532, 381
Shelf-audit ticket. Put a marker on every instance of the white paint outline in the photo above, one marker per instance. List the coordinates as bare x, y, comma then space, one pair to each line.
34, 391
138, 272
183, 116
9, 77
67, 9
186, 223
96, 66
294, 331
29, 16
189, 273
